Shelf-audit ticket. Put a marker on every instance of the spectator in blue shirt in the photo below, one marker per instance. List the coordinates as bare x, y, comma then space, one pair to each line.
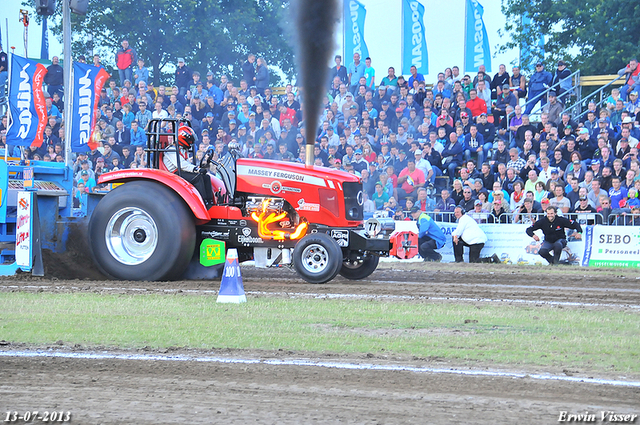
137, 135
475, 145
89, 183
440, 89
617, 192
215, 92
538, 83
141, 73
414, 76
53, 111
356, 70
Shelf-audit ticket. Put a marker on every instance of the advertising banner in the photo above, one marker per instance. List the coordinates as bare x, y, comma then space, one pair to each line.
354, 15
512, 245
477, 51
27, 106
508, 241
414, 41
613, 246
24, 229
88, 80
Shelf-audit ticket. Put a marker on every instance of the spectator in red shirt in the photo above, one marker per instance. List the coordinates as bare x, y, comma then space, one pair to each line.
632, 71
410, 179
287, 113
475, 104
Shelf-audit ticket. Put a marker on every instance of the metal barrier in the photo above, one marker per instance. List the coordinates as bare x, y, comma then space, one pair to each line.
517, 217
482, 217
574, 110
490, 218
623, 218
578, 105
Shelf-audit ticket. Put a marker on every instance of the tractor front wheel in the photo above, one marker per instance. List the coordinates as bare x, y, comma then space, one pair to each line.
317, 258
142, 231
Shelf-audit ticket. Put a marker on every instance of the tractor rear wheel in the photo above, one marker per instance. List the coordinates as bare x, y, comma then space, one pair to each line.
317, 258
360, 268
142, 231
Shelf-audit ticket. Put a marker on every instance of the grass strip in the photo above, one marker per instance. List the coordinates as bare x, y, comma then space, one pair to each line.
605, 341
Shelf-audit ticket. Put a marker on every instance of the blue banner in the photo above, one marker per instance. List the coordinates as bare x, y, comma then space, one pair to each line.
477, 51
27, 107
88, 81
587, 236
414, 40
354, 15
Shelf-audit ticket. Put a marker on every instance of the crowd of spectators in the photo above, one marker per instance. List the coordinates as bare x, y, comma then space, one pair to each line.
471, 131
501, 171
464, 140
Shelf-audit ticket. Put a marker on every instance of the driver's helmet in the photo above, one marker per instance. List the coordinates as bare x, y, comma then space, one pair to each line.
186, 136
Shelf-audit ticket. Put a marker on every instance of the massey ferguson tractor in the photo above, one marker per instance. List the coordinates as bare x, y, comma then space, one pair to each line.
153, 224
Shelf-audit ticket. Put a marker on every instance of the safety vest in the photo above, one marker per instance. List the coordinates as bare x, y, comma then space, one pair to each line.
423, 215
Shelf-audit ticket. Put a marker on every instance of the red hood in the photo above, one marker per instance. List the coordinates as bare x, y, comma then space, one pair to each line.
317, 193
294, 167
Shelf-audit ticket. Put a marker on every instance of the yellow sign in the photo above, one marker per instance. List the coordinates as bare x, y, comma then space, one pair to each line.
27, 177
212, 252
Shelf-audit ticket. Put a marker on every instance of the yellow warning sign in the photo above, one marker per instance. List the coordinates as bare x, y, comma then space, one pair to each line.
212, 252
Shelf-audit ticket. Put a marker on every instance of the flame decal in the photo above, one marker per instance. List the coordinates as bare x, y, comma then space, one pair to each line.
265, 219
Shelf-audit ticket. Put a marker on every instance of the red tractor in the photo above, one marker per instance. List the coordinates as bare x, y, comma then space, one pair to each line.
149, 227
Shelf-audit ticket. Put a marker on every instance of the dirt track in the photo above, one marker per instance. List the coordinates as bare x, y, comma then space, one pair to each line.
148, 392
563, 284
115, 391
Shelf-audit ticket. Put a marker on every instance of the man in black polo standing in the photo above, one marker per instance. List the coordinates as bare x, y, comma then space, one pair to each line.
183, 77
54, 78
249, 70
555, 236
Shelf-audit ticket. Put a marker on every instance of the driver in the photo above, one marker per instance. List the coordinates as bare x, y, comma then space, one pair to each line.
198, 177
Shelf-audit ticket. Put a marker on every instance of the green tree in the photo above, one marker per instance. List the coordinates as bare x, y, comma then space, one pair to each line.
595, 36
211, 35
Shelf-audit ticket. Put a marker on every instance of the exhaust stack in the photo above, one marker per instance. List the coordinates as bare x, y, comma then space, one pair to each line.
315, 21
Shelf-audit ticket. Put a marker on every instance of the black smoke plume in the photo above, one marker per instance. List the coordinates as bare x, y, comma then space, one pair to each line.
315, 21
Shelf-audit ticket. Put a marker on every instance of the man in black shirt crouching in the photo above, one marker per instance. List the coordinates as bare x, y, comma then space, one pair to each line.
553, 228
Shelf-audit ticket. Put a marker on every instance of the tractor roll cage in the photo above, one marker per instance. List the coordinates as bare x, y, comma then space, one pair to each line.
156, 145
158, 142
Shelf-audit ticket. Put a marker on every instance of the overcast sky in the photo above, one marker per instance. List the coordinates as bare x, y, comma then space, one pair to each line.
444, 21
445, 28
11, 15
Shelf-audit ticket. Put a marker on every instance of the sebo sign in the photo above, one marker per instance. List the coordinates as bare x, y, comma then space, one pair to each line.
614, 239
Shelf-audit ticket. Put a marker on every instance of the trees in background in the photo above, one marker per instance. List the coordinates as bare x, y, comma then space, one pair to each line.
211, 35
595, 36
